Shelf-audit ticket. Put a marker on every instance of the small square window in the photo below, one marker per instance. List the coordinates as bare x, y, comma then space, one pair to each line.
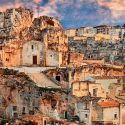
86, 115
31, 112
14, 108
23, 109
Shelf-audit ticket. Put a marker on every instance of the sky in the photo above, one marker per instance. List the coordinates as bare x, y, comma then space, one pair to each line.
75, 13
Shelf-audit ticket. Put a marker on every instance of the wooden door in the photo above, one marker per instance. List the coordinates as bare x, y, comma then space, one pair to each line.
34, 59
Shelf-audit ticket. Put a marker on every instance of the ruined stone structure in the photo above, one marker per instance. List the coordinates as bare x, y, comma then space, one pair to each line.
20, 95
82, 73
60, 75
56, 44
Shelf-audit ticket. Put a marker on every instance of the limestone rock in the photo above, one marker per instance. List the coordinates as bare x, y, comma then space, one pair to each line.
20, 24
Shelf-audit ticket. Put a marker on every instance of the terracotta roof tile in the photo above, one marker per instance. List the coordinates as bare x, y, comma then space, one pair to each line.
107, 104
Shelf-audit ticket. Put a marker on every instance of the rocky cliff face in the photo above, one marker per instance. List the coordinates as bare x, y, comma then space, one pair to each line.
20, 24
13, 21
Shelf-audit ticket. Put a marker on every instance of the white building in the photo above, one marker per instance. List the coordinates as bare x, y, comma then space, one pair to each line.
70, 32
32, 53
86, 31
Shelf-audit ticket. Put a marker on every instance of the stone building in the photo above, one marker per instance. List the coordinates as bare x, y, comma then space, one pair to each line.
106, 112
32, 53
60, 75
86, 31
56, 48
70, 32
15, 53
87, 88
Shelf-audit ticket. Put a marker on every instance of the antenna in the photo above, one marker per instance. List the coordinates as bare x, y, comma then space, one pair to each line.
38, 9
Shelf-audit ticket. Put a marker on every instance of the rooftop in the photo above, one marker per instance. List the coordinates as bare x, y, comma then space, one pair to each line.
105, 77
108, 104
86, 81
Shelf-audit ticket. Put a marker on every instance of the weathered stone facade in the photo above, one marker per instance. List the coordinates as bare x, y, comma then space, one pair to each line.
32, 53
19, 95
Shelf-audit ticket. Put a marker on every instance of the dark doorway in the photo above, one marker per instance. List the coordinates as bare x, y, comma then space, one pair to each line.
66, 115
34, 59
58, 78
45, 122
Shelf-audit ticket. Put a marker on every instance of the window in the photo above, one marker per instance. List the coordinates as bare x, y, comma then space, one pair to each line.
14, 108
86, 115
86, 106
115, 116
32, 47
58, 38
7, 59
95, 92
23, 109
58, 78
31, 112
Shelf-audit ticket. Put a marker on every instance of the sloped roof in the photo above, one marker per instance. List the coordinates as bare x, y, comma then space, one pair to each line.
85, 81
104, 77
42, 80
108, 104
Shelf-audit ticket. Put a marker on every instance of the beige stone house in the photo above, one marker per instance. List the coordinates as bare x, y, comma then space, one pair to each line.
87, 88
32, 53
15, 53
106, 112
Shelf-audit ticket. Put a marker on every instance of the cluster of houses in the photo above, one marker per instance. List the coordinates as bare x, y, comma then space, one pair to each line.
101, 42
92, 92
49, 75
109, 52
98, 33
